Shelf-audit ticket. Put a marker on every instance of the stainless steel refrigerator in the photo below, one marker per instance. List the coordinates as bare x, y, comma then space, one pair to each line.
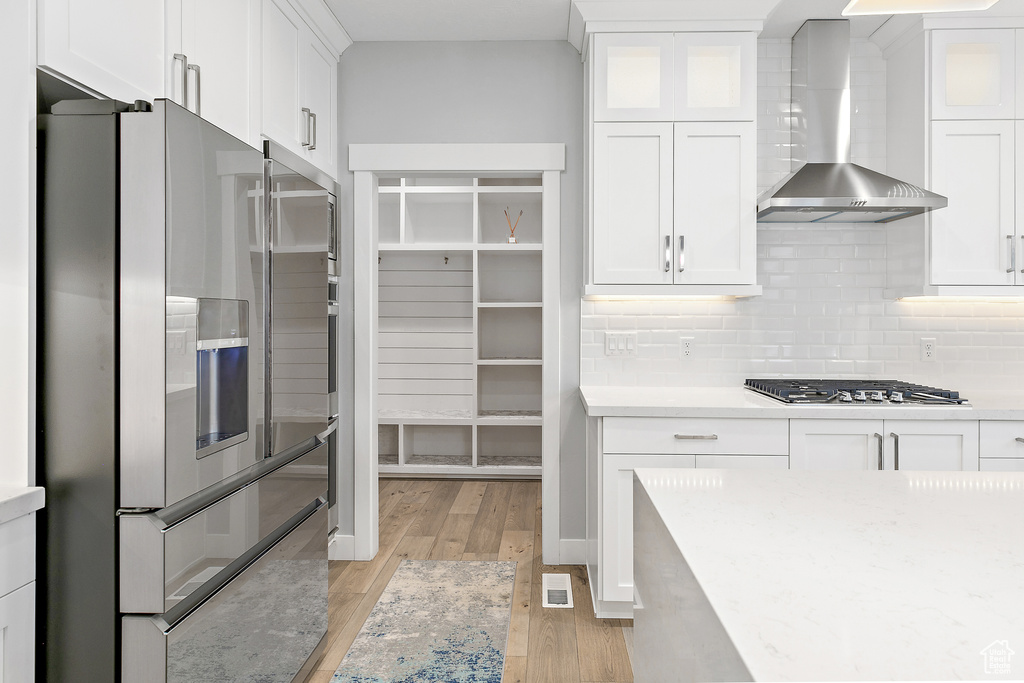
187, 399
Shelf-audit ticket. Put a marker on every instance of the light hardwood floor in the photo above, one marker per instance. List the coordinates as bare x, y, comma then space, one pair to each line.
481, 520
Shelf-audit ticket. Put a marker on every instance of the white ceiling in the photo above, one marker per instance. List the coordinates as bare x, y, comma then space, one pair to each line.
455, 20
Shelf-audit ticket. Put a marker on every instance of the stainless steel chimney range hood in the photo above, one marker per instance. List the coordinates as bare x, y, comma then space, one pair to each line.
828, 188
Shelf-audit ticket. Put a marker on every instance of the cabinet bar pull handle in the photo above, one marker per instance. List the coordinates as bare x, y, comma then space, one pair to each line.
881, 460
896, 448
1022, 244
1019, 439
312, 139
681, 243
306, 139
199, 88
697, 437
668, 253
184, 77
1012, 255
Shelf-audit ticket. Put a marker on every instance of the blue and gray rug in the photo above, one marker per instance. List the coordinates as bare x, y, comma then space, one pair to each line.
435, 621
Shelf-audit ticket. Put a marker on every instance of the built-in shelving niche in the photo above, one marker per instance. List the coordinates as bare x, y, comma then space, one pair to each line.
460, 339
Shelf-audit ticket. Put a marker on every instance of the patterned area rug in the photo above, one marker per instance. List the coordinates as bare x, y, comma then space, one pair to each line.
435, 621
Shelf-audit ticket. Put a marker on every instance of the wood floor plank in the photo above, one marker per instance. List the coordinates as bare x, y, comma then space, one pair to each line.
552, 645
357, 577
518, 545
450, 543
479, 557
468, 500
522, 506
435, 509
515, 670
600, 646
485, 536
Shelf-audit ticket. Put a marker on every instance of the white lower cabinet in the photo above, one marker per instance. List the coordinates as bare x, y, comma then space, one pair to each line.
622, 444
17, 598
1002, 445
941, 445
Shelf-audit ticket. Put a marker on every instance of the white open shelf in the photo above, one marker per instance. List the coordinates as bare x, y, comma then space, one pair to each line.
461, 317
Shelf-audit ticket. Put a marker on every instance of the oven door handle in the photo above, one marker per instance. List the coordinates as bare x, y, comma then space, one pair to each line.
881, 450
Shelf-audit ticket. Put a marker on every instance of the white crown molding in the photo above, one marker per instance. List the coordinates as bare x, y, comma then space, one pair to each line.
325, 24
899, 29
632, 16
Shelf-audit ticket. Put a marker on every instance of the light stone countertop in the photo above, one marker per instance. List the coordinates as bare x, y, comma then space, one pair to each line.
737, 402
854, 575
16, 501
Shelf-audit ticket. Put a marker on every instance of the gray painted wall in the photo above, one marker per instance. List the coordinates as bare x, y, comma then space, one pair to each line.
482, 92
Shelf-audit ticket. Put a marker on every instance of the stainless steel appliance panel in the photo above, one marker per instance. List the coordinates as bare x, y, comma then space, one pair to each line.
167, 555
190, 193
77, 407
267, 624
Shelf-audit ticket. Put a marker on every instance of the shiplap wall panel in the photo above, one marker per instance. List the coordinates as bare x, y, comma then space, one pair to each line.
426, 371
425, 325
425, 342
443, 309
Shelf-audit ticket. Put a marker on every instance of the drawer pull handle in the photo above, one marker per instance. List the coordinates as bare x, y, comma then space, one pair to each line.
1020, 439
701, 437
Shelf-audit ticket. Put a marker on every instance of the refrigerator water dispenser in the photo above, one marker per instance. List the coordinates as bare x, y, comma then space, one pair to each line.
222, 375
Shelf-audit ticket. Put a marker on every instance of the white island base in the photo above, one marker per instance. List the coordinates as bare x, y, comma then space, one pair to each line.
828, 576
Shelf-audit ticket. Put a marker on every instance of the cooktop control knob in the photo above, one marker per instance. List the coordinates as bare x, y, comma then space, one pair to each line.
860, 396
877, 396
845, 397
896, 397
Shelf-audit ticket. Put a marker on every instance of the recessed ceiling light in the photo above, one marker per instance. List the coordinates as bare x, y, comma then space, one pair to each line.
859, 7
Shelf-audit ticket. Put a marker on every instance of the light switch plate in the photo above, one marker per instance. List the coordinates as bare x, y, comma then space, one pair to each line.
620, 343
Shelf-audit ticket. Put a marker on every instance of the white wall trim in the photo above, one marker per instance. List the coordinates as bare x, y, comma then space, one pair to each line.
365, 160
364, 270
572, 551
342, 547
399, 158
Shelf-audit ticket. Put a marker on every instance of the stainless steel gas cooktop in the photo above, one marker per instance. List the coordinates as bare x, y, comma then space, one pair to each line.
875, 392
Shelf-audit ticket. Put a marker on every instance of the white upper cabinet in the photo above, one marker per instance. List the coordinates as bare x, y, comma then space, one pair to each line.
974, 240
219, 41
633, 203
974, 73
715, 77
673, 164
318, 93
633, 77
299, 86
675, 77
194, 52
715, 231
113, 47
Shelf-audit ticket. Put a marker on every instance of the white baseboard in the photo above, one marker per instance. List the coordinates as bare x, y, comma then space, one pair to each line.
341, 547
572, 551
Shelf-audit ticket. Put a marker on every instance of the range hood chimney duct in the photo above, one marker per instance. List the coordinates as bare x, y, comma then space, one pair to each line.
827, 187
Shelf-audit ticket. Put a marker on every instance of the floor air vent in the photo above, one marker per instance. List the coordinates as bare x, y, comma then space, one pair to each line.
557, 590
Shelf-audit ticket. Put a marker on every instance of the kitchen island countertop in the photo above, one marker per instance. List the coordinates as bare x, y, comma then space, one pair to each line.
644, 401
830, 575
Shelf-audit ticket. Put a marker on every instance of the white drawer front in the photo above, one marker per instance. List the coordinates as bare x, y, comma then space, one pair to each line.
743, 462
1001, 439
708, 436
1002, 465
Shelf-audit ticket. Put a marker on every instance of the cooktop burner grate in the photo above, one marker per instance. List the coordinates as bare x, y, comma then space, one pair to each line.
853, 391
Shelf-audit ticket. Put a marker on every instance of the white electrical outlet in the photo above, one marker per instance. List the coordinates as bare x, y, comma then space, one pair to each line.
686, 347
620, 343
927, 349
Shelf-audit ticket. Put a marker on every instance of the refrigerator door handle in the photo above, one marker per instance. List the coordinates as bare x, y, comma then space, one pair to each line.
194, 504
